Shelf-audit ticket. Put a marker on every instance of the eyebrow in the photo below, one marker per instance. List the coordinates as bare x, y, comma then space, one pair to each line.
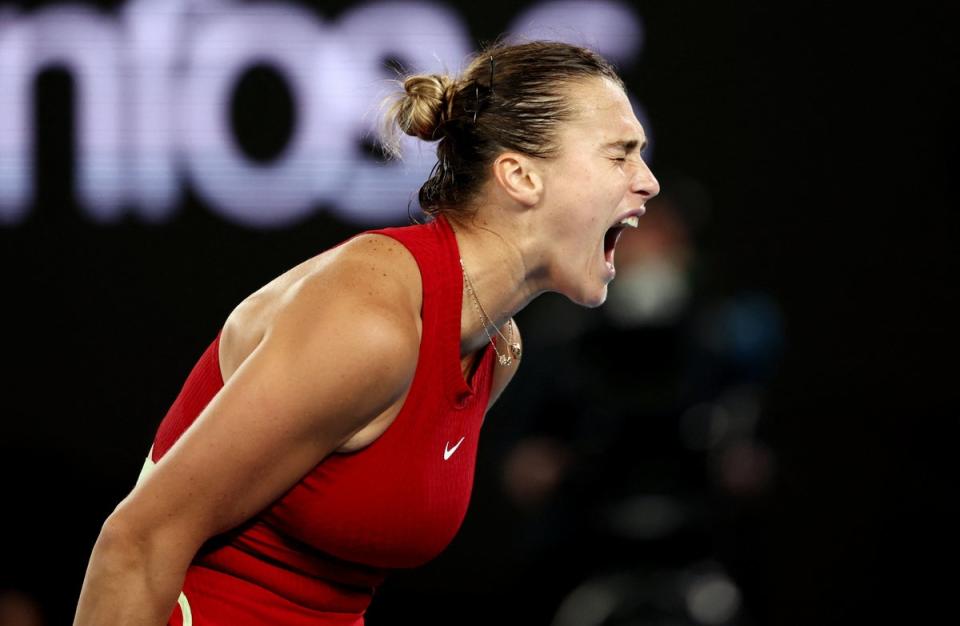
628, 146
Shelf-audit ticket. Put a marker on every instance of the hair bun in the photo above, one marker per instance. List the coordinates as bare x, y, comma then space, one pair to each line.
425, 105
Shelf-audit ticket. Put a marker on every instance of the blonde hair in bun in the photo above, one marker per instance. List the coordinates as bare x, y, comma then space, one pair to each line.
509, 97
419, 111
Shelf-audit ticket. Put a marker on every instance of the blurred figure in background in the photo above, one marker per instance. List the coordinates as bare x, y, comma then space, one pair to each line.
646, 415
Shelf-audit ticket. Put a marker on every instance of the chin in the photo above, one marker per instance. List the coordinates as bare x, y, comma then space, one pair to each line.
588, 290
590, 300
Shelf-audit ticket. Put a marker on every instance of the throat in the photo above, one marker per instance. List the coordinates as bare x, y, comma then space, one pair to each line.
610, 242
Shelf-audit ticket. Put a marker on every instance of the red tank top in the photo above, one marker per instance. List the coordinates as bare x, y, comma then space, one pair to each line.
316, 555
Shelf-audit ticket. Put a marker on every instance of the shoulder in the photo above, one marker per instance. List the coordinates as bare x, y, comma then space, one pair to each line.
370, 272
369, 279
367, 289
373, 258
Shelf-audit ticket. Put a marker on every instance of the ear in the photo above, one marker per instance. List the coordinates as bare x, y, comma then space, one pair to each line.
518, 176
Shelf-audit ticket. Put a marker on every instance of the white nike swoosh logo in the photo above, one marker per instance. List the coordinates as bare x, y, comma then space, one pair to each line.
449, 453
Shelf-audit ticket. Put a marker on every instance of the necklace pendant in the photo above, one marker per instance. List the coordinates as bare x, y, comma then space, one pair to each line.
515, 349
504, 359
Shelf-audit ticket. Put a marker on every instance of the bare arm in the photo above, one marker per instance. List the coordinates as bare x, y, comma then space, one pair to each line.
334, 358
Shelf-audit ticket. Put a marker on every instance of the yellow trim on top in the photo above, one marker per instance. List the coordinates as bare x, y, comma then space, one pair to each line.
148, 466
185, 609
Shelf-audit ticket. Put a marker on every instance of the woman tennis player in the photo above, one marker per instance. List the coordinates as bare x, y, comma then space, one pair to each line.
328, 433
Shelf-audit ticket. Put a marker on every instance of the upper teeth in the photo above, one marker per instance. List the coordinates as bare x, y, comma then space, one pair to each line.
633, 221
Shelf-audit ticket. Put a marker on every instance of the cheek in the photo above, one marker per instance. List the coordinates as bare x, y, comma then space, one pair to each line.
583, 187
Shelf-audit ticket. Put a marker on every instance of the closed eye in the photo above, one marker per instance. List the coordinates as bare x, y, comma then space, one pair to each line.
624, 159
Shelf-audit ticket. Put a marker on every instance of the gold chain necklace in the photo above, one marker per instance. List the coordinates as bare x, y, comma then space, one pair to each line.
503, 359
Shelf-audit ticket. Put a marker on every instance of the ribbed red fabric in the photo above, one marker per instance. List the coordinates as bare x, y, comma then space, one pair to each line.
317, 554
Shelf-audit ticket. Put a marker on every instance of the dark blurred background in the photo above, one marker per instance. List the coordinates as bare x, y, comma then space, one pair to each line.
756, 428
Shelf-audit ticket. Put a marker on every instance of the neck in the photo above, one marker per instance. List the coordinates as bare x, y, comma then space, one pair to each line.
504, 280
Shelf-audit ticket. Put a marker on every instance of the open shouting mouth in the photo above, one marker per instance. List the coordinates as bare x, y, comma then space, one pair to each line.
610, 239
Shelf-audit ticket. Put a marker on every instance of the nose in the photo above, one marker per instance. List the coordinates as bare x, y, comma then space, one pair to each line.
645, 183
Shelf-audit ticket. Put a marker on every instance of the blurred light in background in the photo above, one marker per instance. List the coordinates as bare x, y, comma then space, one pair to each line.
712, 598
701, 594
747, 330
155, 84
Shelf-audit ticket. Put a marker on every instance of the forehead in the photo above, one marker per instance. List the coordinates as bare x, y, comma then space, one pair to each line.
602, 114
